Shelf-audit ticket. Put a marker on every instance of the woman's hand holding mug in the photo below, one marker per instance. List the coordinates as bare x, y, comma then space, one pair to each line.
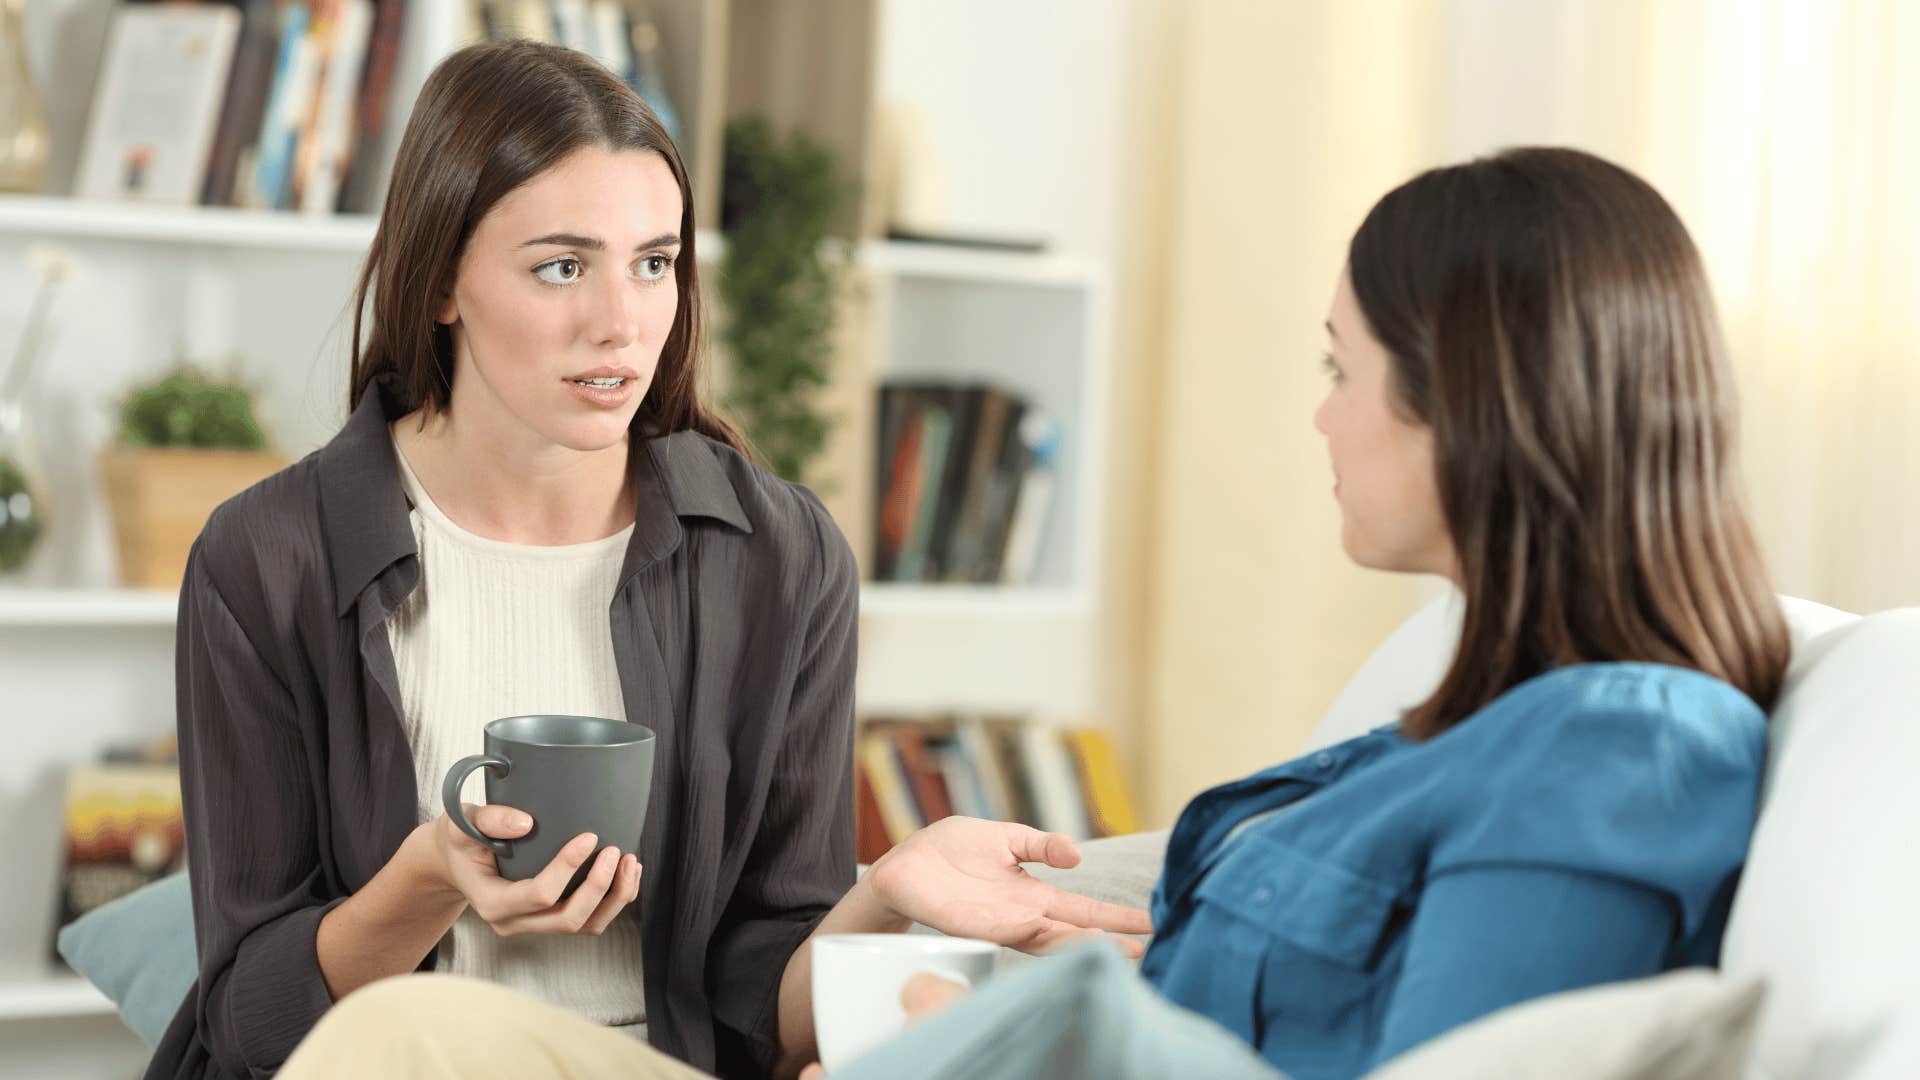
533, 905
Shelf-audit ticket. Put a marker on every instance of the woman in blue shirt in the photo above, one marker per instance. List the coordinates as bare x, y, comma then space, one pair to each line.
1531, 397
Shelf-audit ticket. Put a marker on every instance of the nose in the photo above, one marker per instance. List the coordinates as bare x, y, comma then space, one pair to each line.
1320, 414
616, 313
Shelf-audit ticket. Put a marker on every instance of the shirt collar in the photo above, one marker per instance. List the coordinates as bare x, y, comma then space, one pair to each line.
364, 508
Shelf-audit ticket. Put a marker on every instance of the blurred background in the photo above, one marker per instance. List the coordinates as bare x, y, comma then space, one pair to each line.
1052, 367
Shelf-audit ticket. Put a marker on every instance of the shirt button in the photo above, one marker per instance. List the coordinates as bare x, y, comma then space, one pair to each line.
1322, 761
1262, 895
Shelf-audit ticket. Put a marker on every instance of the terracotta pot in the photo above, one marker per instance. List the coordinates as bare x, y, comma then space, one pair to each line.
161, 499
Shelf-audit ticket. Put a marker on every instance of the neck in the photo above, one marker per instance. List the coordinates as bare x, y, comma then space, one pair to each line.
518, 490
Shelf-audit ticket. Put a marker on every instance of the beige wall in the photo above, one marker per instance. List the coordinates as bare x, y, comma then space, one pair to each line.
1287, 122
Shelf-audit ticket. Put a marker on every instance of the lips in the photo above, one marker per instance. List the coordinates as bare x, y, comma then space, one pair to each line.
607, 386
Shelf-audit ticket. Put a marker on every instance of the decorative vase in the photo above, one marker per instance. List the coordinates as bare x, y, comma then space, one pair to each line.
23, 126
23, 513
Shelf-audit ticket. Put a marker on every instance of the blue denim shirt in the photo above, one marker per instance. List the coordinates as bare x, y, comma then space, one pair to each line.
1587, 826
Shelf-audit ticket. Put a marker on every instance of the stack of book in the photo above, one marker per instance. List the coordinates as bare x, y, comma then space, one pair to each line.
273, 104
281, 104
964, 481
909, 773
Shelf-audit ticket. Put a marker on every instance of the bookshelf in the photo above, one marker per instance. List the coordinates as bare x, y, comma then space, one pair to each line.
86, 663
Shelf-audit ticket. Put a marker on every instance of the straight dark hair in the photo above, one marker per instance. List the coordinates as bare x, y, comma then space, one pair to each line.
489, 119
1549, 319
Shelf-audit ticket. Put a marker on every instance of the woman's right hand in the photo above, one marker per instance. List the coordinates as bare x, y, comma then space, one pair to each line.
532, 906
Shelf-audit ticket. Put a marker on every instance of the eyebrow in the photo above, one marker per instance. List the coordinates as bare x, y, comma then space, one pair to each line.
594, 243
1330, 332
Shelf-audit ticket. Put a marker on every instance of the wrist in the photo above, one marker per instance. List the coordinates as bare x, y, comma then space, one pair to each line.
424, 871
866, 913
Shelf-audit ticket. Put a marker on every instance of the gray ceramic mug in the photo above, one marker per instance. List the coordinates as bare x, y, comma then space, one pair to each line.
571, 774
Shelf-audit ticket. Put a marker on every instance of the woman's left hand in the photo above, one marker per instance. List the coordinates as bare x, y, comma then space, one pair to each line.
962, 876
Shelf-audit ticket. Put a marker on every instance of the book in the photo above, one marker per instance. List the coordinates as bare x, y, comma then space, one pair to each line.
326, 145
1058, 804
964, 787
900, 495
124, 828
1021, 554
869, 827
928, 786
967, 557
365, 185
884, 772
264, 182
157, 104
248, 80
936, 421
963, 404
1109, 809
976, 743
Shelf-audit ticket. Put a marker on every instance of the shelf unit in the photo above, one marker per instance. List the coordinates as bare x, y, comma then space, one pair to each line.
86, 662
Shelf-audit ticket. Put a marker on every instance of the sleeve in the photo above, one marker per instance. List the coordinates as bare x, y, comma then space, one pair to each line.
1486, 938
252, 838
802, 860
1591, 840
1641, 780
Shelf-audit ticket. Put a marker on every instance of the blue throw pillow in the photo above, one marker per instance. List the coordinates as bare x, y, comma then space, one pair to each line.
139, 950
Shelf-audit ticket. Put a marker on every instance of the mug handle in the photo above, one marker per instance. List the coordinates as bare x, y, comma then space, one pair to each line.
450, 797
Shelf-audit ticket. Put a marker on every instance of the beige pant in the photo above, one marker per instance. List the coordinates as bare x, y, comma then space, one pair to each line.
433, 1025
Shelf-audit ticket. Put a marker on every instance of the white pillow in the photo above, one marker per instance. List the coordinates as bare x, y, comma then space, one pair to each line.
1691, 1024
1829, 906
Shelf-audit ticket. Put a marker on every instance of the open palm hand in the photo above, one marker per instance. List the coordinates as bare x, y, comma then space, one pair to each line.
962, 876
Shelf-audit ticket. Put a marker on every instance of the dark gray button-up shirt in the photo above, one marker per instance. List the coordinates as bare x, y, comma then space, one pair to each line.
734, 626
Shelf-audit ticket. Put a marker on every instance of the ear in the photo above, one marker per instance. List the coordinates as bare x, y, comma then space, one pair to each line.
449, 312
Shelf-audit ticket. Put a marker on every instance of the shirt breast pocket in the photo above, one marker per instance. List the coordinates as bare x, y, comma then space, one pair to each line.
1298, 939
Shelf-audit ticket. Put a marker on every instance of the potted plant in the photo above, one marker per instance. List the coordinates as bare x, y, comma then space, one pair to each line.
186, 444
781, 200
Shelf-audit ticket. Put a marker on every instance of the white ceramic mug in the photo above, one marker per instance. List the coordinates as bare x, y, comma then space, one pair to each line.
857, 979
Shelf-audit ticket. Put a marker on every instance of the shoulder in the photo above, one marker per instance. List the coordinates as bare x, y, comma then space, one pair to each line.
1644, 772
259, 546
1637, 716
790, 524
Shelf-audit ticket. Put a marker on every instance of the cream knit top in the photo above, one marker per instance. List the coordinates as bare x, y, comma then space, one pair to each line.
497, 629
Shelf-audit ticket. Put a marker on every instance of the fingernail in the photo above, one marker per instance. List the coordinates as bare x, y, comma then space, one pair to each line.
521, 821
583, 843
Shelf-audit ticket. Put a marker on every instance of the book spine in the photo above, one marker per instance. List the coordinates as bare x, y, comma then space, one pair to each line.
333, 127
273, 144
937, 423
361, 192
965, 403
1022, 554
246, 98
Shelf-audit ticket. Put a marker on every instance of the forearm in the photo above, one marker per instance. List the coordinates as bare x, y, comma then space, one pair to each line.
858, 912
391, 924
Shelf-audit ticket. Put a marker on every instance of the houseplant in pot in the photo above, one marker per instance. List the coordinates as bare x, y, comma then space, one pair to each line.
187, 443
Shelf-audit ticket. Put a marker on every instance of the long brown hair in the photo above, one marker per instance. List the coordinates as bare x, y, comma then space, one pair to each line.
1549, 319
490, 118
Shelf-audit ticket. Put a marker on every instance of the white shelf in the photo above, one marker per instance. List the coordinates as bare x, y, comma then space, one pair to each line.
38, 608
37, 216
47, 994
209, 226
899, 258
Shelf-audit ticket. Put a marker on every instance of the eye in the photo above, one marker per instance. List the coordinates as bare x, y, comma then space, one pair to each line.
1331, 367
564, 278
654, 267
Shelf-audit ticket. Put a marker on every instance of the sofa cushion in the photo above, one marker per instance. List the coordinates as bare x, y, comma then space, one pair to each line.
1409, 665
139, 951
1692, 1024
1826, 908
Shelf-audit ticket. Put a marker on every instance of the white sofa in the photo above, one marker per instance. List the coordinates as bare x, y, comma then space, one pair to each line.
1828, 910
